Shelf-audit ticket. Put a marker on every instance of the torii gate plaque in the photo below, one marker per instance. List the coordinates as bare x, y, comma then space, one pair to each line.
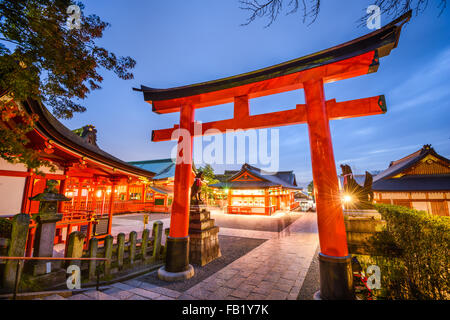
348, 60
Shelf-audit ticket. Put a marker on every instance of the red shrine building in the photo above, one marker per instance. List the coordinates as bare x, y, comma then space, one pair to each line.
256, 192
419, 181
98, 184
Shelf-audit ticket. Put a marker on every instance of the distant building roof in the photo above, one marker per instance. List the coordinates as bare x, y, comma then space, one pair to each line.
414, 183
164, 168
401, 174
266, 179
359, 178
162, 190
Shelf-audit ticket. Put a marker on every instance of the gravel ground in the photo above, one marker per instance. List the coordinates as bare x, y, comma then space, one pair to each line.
232, 248
311, 284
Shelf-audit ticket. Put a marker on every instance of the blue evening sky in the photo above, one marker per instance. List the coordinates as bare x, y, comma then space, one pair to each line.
180, 42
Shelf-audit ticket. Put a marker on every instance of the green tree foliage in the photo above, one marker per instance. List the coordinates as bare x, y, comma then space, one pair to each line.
311, 188
209, 178
42, 58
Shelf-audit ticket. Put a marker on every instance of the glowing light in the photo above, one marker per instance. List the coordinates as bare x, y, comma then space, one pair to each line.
99, 193
347, 198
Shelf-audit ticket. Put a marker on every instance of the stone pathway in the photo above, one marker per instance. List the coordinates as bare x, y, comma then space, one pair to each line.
274, 270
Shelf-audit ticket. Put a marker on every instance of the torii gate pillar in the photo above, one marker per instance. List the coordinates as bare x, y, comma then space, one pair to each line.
177, 255
336, 280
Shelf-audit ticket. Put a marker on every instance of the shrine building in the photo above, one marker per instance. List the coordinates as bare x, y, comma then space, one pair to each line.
98, 184
257, 192
419, 181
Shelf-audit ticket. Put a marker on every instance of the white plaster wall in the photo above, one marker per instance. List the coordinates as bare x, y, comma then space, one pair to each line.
436, 195
11, 194
5, 165
420, 205
418, 195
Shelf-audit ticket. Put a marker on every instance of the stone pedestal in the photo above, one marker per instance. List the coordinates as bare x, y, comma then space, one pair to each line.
361, 226
44, 241
204, 236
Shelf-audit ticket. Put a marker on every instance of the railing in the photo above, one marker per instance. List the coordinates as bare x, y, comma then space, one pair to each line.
102, 208
22, 259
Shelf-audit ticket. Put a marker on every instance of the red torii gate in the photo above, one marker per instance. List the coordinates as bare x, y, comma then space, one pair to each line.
348, 60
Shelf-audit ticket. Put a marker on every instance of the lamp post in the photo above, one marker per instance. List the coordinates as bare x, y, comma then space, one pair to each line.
46, 225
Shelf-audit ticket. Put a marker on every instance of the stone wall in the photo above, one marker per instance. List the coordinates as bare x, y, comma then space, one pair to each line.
361, 225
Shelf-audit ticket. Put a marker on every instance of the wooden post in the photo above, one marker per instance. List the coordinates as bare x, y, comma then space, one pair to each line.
166, 233
75, 244
108, 253
132, 247
334, 260
144, 243
157, 236
27, 192
19, 233
111, 205
93, 248
120, 249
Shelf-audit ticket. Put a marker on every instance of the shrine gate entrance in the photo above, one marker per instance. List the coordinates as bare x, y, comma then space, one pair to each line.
310, 73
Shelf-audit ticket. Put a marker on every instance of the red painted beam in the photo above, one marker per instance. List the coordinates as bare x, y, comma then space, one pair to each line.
335, 110
340, 70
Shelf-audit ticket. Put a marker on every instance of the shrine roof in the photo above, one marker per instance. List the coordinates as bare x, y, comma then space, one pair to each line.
50, 127
162, 190
381, 41
164, 168
398, 166
285, 179
414, 183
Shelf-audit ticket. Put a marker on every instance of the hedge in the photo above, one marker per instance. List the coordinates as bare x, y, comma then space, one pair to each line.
416, 265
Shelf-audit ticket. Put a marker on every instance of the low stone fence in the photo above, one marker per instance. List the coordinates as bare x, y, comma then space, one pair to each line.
360, 226
126, 255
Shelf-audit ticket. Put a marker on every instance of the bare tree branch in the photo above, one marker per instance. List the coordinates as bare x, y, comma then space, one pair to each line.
271, 9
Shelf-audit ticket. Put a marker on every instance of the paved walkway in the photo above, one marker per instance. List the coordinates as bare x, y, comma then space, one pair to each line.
273, 271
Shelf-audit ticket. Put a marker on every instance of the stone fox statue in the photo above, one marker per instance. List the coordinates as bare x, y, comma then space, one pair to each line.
196, 189
362, 194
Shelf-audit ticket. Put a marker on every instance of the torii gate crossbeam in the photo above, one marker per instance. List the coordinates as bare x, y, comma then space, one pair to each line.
348, 60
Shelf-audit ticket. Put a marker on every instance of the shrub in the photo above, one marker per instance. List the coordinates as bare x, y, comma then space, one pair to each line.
416, 266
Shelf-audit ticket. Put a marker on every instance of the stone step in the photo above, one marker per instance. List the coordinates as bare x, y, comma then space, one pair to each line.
199, 216
201, 225
54, 297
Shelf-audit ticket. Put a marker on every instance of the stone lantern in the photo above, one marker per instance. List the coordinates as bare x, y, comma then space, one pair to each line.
46, 221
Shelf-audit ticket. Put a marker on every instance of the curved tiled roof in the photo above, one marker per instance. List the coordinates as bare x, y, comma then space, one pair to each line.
414, 183
384, 181
55, 130
285, 179
164, 168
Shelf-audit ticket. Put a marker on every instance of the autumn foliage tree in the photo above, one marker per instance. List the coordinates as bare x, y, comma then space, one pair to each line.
42, 58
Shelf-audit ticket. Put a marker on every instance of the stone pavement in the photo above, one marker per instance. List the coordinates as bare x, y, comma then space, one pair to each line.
274, 270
